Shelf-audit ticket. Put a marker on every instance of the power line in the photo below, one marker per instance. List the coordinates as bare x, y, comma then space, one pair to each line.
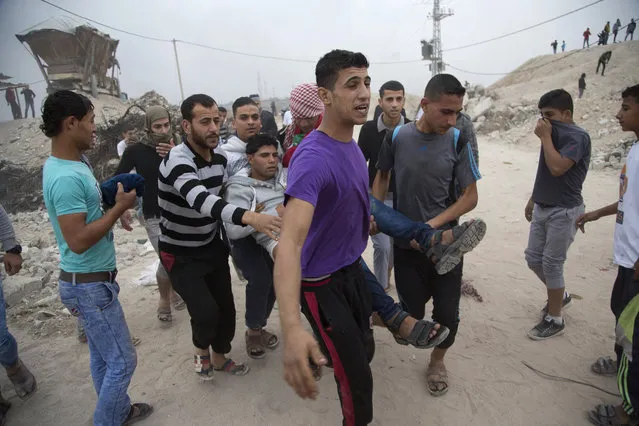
517, 71
235, 52
523, 29
301, 60
104, 25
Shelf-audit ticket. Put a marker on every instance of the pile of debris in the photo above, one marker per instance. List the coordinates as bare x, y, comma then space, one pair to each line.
32, 295
25, 148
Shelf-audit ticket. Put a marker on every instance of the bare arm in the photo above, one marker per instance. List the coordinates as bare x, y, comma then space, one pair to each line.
80, 236
557, 164
608, 210
380, 185
466, 202
299, 345
288, 272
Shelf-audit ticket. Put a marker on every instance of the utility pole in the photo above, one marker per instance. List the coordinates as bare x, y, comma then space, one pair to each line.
437, 62
177, 62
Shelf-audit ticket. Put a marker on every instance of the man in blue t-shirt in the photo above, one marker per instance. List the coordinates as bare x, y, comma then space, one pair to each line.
555, 204
83, 231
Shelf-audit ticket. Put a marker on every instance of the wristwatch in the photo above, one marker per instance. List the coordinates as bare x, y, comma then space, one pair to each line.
16, 250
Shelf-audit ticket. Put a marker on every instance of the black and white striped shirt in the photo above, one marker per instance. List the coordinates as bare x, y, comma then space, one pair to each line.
188, 188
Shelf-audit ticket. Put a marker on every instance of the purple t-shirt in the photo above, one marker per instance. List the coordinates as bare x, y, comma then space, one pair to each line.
332, 176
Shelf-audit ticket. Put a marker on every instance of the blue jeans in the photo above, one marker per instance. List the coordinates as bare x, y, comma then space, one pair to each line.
382, 255
383, 304
396, 225
113, 357
8, 345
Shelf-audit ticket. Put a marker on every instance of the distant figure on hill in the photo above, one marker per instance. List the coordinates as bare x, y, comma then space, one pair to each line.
606, 31
29, 96
563, 45
587, 35
11, 98
615, 30
273, 108
603, 60
630, 30
554, 47
582, 85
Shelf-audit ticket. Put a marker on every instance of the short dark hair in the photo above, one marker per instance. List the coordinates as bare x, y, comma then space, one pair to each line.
222, 109
443, 84
631, 92
333, 62
243, 101
557, 98
255, 142
61, 105
391, 85
128, 127
189, 103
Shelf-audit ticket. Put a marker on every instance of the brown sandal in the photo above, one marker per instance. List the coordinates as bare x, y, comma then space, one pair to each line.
255, 346
437, 380
270, 340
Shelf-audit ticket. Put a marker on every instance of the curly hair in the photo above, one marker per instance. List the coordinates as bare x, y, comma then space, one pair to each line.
61, 105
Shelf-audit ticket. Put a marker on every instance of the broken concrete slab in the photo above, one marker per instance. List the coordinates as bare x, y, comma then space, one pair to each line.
18, 287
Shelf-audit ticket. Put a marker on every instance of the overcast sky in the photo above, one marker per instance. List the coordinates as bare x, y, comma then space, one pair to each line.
384, 30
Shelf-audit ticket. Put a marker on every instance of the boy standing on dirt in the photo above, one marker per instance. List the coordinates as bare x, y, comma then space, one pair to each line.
555, 204
624, 301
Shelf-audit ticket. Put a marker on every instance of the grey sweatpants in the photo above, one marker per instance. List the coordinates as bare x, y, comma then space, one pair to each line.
552, 231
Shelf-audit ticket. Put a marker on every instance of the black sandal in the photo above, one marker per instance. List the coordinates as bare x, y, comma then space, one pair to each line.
419, 337
465, 238
138, 412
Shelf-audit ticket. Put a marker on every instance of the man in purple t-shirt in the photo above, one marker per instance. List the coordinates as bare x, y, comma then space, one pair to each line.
325, 233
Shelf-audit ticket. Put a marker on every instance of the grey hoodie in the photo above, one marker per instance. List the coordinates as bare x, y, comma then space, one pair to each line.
235, 150
243, 191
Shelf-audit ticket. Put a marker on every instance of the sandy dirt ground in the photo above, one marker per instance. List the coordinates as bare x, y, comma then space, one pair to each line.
489, 383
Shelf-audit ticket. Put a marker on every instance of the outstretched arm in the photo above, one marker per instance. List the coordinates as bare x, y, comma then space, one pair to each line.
299, 344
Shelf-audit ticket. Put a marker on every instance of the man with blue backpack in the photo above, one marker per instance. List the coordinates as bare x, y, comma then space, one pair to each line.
428, 157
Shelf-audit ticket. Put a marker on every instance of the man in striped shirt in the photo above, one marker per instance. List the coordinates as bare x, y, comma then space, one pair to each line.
191, 249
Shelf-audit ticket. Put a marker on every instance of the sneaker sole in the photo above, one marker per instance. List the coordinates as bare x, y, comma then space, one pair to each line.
533, 337
466, 243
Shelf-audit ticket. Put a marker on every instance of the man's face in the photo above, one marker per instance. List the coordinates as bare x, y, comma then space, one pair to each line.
247, 121
264, 162
628, 115
161, 126
203, 130
556, 114
83, 131
392, 102
441, 114
307, 125
351, 96
127, 135
222, 116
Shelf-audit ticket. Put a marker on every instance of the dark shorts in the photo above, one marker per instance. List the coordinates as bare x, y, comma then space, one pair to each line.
339, 309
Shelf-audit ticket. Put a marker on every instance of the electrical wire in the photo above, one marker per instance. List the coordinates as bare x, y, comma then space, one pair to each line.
301, 60
103, 24
522, 29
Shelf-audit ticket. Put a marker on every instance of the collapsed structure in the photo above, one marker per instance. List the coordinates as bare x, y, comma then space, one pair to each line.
74, 57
